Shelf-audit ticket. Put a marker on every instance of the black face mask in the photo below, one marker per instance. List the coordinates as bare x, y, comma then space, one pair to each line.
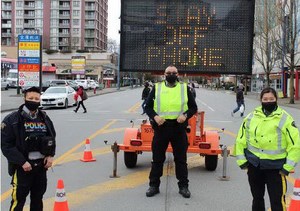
171, 78
269, 106
31, 105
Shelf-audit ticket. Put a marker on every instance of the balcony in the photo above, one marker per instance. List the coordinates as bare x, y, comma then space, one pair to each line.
6, 8
29, 7
64, 7
93, 8
92, 17
29, 16
6, 25
64, 44
90, 26
29, 25
90, 35
64, 34
6, 16
64, 25
6, 34
64, 16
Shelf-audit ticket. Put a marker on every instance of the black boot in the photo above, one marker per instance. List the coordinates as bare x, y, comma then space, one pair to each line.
84, 111
184, 191
152, 191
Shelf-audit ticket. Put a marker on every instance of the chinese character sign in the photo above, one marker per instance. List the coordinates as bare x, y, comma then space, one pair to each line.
29, 59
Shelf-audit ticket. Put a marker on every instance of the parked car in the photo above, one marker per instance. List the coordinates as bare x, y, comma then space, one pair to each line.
93, 84
196, 85
4, 84
60, 96
84, 83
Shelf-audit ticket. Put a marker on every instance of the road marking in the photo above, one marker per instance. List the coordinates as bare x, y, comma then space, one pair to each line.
134, 108
205, 104
93, 192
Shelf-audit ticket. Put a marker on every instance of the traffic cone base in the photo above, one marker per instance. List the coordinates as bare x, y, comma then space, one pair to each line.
87, 154
295, 200
61, 203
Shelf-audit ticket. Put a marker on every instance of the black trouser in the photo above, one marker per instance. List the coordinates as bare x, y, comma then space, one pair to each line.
164, 134
80, 103
276, 185
35, 182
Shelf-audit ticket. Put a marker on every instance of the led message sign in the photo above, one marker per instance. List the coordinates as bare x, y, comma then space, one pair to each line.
197, 36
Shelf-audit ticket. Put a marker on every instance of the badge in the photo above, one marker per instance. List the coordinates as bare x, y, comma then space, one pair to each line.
3, 125
294, 124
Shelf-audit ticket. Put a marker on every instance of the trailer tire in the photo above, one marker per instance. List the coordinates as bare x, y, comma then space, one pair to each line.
130, 159
211, 162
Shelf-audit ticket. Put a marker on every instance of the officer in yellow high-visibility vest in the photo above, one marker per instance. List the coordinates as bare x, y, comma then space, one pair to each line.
169, 106
268, 145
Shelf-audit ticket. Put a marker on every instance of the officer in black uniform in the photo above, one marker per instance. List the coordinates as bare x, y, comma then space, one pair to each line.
28, 143
170, 129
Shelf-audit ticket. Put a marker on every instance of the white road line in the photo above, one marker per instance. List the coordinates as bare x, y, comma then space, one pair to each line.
205, 104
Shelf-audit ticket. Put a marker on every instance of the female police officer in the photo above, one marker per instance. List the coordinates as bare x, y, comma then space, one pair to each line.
268, 146
28, 143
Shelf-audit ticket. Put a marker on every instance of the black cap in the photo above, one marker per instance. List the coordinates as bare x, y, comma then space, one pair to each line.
32, 89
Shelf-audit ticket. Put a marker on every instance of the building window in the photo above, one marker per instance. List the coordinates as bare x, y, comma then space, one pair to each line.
76, 13
76, 3
19, 4
75, 31
19, 13
75, 22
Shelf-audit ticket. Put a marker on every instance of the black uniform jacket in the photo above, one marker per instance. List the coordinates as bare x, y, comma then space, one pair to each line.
13, 137
192, 106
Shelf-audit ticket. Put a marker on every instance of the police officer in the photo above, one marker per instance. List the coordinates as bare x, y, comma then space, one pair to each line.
268, 145
169, 105
28, 143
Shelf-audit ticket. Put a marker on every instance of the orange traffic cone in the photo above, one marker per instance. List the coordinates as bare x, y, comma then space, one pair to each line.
295, 201
61, 203
87, 155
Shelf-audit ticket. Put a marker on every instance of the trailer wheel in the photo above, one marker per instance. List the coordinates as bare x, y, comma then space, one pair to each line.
130, 159
211, 162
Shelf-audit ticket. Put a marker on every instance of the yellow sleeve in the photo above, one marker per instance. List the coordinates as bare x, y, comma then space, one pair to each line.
240, 145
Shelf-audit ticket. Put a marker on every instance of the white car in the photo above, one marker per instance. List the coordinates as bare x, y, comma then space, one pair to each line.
84, 83
93, 84
4, 84
61, 96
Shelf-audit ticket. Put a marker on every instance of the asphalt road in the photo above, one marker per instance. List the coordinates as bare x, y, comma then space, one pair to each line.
88, 185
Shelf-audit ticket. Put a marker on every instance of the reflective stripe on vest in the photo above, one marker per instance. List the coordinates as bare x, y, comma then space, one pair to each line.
157, 103
279, 150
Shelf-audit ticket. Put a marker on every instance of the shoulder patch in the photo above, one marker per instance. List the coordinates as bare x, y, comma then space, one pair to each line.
294, 124
3, 125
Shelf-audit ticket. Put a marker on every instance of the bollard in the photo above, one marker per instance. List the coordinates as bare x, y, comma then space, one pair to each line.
224, 177
115, 149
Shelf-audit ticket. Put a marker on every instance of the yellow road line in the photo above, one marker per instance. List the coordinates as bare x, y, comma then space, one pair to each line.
134, 107
93, 192
96, 152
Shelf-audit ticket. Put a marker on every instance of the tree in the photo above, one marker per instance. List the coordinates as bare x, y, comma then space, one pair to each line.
288, 20
265, 43
112, 46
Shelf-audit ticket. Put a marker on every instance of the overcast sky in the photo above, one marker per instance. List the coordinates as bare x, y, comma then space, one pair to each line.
114, 12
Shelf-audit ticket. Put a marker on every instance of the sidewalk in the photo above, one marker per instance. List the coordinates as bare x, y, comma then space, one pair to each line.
10, 101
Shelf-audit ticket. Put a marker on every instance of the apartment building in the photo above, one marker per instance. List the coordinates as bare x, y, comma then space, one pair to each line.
65, 24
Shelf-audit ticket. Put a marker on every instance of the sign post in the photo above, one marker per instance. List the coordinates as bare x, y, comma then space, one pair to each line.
29, 59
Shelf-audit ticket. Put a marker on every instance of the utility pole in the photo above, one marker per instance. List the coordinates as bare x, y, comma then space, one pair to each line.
283, 80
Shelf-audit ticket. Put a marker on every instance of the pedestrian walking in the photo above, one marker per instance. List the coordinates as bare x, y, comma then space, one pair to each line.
240, 101
145, 94
81, 96
268, 145
28, 143
169, 106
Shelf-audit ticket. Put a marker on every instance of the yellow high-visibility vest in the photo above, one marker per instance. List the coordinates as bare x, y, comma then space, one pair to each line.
170, 102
